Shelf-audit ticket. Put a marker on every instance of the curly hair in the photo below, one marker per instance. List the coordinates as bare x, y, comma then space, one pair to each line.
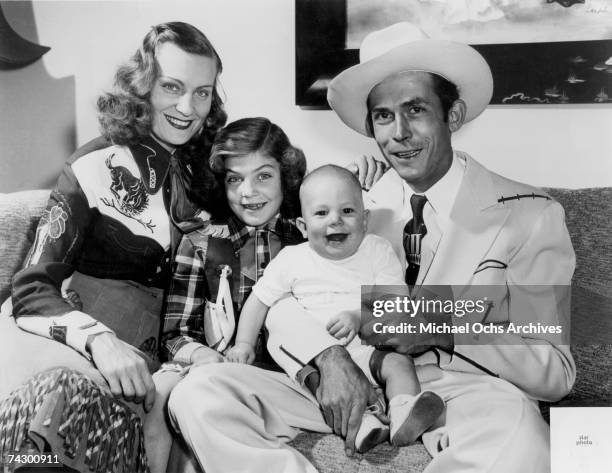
125, 114
260, 135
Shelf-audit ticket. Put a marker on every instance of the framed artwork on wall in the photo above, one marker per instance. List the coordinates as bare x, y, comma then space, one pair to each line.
540, 51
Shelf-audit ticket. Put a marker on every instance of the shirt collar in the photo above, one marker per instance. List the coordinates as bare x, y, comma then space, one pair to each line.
151, 158
284, 228
441, 196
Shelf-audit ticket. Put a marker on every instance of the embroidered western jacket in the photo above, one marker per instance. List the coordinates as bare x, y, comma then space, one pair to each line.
107, 217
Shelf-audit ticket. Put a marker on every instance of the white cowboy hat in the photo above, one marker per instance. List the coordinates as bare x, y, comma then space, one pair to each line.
404, 47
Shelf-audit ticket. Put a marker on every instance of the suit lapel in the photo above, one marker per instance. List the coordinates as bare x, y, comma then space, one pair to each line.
475, 222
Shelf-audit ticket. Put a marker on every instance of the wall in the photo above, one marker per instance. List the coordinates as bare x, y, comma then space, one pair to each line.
568, 146
37, 114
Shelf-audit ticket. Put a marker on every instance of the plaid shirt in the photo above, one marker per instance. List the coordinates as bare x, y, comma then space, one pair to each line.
183, 319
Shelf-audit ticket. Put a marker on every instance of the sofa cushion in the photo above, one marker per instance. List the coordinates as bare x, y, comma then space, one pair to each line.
587, 213
19, 215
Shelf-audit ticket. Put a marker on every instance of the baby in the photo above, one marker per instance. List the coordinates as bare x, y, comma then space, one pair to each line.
325, 275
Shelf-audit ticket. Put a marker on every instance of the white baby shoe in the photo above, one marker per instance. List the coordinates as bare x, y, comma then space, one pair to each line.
371, 432
412, 415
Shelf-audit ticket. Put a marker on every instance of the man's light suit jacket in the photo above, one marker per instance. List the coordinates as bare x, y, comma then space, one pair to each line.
521, 246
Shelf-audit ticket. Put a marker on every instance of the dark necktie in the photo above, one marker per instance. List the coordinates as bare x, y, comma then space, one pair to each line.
182, 211
414, 231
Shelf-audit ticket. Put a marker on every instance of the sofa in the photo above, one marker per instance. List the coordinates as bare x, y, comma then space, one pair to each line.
589, 219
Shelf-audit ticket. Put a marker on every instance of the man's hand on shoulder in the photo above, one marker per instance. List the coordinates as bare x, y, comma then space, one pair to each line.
368, 170
125, 371
344, 393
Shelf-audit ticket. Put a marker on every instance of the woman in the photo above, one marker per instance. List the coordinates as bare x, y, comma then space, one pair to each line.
111, 225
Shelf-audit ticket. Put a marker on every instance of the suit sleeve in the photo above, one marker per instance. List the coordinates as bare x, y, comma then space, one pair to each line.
539, 276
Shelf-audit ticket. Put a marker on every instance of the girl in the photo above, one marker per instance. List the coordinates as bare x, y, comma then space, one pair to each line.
216, 266
261, 173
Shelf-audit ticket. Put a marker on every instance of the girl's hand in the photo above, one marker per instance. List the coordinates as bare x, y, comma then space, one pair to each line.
204, 355
344, 326
368, 170
242, 352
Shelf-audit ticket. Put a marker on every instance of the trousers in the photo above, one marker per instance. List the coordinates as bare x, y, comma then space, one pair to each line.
238, 418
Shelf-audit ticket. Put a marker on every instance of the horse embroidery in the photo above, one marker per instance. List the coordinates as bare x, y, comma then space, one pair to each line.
130, 196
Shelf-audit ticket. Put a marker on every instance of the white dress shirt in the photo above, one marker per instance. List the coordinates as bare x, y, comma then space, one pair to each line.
436, 213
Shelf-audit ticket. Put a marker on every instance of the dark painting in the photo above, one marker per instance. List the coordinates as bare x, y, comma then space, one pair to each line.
539, 72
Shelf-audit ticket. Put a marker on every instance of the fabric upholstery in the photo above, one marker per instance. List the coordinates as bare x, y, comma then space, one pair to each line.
587, 213
19, 215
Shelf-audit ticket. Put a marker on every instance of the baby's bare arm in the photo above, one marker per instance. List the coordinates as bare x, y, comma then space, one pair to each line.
344, 325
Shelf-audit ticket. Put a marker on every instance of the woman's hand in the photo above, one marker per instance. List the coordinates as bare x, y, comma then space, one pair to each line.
242, 352
125, 371
344, 326
205, 355
368, 170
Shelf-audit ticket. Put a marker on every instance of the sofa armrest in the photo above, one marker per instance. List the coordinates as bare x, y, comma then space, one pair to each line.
19, 215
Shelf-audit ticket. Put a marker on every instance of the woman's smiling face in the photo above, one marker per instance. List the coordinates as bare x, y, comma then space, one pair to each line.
253, 188
182, 95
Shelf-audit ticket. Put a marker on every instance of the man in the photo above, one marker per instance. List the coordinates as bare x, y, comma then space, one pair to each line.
475, 228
